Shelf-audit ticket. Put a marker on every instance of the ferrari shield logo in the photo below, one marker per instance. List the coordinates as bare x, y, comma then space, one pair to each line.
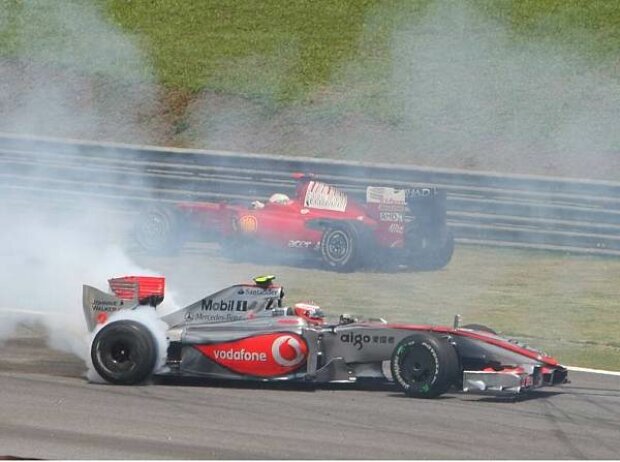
248, 224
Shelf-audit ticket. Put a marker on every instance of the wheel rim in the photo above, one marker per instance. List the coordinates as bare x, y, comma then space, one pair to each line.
418, 366
116, 356
152, 231
338, 246
119, 353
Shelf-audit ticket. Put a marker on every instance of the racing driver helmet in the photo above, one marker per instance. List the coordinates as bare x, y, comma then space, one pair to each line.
279, 199
313, 314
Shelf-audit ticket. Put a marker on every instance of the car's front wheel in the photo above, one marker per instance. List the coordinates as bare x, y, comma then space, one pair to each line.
424, 365
124, 352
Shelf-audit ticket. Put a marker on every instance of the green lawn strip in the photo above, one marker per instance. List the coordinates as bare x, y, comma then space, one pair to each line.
270, 49
589, 27
289, 50
10, 24
72, 35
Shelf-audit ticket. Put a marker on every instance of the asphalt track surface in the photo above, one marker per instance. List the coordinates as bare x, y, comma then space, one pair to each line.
49, 410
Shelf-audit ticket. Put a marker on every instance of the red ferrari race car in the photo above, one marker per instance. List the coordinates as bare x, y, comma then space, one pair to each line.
402, 226
247, 332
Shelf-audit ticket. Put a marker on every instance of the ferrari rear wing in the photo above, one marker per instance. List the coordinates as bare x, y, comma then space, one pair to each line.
426, 204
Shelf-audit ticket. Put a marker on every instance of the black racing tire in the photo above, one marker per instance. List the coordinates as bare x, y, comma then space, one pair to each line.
340, 248
124, 352
431, 252
480, 327
424, 365
159, 231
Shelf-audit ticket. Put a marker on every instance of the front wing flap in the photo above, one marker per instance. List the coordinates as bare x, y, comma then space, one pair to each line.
512, 380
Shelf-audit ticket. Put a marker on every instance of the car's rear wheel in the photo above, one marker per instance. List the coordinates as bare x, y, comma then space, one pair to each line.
430, 251
424, 365
124, 352
339, 248
159, 231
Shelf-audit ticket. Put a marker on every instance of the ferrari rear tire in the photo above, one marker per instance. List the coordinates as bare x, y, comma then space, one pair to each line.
424, 365
124, 352
430, 252
159, 231
339, 248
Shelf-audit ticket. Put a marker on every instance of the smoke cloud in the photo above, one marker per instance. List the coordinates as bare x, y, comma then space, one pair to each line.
454, 88
77, 76
45, 263
48, 251
470, 91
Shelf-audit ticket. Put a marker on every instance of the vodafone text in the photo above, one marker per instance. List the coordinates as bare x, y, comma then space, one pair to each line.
240, 355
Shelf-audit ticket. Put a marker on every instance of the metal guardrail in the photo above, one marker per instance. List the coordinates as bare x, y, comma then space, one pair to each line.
484, 208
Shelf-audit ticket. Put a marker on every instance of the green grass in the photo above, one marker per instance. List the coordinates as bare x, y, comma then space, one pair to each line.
587, 26
284, 51
264, 48
71, 35
293, 49
565, 304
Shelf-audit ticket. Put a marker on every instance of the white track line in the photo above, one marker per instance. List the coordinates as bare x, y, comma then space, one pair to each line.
570, 368
592, 371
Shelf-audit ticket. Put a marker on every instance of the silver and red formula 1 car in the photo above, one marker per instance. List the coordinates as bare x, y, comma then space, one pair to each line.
245, 332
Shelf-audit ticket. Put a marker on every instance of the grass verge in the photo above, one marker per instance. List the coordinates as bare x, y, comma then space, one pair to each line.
280, 50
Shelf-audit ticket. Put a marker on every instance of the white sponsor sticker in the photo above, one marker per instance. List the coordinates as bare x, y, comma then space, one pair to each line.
325, 197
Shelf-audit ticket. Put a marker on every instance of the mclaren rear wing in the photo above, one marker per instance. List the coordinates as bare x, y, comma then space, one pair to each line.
128, 292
